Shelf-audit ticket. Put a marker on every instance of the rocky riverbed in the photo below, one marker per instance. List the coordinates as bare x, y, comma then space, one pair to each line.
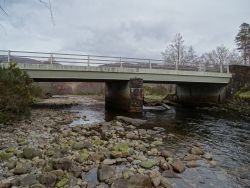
45, 151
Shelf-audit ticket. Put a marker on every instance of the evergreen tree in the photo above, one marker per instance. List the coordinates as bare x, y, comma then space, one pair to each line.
243, 41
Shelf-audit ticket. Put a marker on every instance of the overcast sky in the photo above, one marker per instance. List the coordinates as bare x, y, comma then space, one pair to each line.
137, 28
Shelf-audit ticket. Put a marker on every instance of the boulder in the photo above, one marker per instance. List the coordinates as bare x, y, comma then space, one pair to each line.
133, 121
120, 183
166, 154
22, 169
109, 161
48, 179
139, 181
105, 172
191, 157
28, 180
5, 183
30, 153
63, 163
148, 163
165, 183
178, 166
196, 151
192, 164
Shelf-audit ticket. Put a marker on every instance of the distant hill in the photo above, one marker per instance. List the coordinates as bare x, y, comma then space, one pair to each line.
4, 58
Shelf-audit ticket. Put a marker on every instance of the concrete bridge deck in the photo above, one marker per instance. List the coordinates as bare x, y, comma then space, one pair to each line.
57, 73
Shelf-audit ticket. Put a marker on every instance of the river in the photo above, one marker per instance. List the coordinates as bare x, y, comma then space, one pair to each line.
225, 135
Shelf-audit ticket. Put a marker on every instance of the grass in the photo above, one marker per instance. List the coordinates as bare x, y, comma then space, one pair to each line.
243, 95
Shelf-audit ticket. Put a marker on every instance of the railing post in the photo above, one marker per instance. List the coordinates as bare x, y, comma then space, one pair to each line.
121, 62
221, 68
51, 58
199, 67
176, 66
9, 56
228, 71
150, 65
88, 60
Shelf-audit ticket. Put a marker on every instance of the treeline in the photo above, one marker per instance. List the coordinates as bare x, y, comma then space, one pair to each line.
178, 53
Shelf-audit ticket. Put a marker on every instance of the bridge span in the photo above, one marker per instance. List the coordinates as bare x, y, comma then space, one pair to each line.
124, 77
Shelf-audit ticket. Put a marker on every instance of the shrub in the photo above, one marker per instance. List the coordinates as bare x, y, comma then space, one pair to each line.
16, 93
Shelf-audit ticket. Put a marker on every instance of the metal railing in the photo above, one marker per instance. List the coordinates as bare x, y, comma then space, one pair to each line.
104, 61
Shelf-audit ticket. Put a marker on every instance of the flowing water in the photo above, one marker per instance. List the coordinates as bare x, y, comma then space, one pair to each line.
225, 135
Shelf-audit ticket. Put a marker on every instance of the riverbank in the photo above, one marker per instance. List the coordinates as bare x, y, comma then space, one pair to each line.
45, 151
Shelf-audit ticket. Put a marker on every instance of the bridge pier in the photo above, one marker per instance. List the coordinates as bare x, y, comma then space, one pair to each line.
198, 93
124, 95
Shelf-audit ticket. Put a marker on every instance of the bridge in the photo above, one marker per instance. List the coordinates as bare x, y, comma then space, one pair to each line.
124, 76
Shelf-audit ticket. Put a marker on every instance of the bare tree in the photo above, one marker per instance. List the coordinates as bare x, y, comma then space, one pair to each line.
175, 52
47, 4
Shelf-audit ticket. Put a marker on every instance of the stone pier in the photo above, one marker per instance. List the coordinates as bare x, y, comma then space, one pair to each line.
124, 95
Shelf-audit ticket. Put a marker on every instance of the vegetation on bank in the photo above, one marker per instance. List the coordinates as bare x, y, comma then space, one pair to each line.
16, 93
243, 94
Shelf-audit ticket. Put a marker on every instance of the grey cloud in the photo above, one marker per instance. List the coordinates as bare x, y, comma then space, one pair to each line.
139, 28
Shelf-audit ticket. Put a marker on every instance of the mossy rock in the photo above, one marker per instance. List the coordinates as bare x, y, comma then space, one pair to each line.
120, 150
122, 147
63, 182
98, 142
11, 150
5, 156
148, 164
84, 154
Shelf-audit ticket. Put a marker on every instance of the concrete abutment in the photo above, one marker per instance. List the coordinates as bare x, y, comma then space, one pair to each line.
198, 94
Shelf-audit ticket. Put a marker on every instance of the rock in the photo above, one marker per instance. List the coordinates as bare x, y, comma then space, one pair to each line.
105, 172
48, 179
157, 143
98, 156
178, 166
165, 183
208, 156
192, 164
109, 161
153, 151
78, 145
102, 185
169, 174
5, 183
132, 135
11, 164
38, 185
61, 183
133, 121
76, 171
64, 164
139, 181
5, 156
196, 151
84, 155
191, 157
30, 153
120, 183
212, 164
148, 163
76, 129
28, 180
120, 150
22, 169
156, 181
166, 154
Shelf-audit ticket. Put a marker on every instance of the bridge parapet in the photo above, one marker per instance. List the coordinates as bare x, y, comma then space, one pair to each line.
103, 61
